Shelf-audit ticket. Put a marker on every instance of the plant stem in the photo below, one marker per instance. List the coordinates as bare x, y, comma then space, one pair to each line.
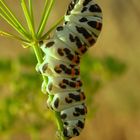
52, 28
31, 13
6, 34
45, 15
28, 17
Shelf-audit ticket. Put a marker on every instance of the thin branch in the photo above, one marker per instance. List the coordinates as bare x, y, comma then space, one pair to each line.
52, 28
12, 17
9, 35
31, 13
11, 23
45, 15
28, 17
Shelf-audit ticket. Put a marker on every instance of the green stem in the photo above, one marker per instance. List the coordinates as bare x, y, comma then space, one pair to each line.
42, 18
28, 17
52, 28
6, 34
31, 13
15, 26
46, 13
38, 53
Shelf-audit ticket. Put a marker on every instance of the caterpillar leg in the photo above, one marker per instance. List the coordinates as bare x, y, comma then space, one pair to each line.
43, 86
73, 127
49, 100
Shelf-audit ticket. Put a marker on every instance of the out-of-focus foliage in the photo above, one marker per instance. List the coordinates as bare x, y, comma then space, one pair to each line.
23, 105
96, 72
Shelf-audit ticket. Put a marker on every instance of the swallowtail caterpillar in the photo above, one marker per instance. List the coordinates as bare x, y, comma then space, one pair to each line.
62, 52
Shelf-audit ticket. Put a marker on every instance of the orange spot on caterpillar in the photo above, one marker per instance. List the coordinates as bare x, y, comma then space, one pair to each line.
78, 84
74, 59
72, 72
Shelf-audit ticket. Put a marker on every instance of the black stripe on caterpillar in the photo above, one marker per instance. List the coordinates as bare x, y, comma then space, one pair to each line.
82, 26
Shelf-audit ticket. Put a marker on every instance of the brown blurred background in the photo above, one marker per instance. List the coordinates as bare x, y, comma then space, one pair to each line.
117, 116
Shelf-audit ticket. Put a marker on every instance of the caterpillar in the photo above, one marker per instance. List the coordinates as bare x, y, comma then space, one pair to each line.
61, 64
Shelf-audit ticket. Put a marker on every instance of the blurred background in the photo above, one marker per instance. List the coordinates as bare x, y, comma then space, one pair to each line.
110, 72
